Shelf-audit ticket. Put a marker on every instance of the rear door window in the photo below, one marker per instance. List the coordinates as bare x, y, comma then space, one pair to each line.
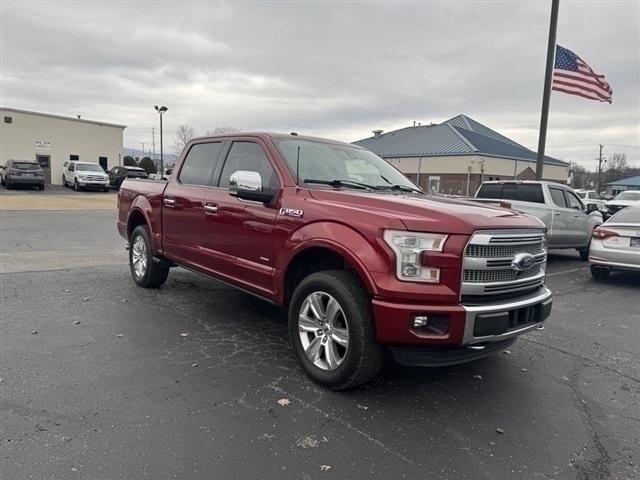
558, 197
200, 163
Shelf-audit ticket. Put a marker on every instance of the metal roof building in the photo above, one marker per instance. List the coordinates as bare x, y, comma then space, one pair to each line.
631, 183
445, 157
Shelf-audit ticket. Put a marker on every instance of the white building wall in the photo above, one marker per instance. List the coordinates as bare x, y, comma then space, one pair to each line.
30, 134
502, 167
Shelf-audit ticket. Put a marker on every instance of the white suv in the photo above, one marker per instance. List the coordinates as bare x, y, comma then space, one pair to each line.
81, 175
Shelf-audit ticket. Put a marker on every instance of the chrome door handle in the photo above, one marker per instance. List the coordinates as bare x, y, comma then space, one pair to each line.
169, 202
210, 209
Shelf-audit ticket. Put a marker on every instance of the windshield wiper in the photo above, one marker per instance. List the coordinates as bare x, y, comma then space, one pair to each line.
342, 183
397, 186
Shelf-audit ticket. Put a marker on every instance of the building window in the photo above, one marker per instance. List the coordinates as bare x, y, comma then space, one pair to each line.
8, 119
74, 157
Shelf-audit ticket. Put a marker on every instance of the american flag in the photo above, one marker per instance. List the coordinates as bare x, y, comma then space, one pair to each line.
572, 75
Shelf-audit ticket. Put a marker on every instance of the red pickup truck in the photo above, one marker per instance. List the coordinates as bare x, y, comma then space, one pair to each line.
363, 260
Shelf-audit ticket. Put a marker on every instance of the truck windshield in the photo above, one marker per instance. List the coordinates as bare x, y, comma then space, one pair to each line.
88, 167
340, 165
525, 192
582, 195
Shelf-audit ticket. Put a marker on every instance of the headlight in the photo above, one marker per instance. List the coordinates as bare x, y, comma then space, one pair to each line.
408, 247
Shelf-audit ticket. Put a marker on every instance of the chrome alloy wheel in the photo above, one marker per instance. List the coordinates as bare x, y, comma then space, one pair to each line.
324, 331
139, 256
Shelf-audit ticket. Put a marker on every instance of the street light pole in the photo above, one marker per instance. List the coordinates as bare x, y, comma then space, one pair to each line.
161, 110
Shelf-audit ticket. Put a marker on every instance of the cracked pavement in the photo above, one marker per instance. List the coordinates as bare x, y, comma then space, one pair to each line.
123, 395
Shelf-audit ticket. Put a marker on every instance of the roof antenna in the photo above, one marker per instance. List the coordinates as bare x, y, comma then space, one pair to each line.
298, 168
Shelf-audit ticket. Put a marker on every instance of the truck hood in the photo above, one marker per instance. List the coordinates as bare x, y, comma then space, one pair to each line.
427, 213
622, 203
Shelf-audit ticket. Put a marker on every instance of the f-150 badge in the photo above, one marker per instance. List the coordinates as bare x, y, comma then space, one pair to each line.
291, 212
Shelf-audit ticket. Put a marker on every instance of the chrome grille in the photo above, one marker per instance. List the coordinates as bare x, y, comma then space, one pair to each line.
94, 178
487, 265
503, 275
502, 251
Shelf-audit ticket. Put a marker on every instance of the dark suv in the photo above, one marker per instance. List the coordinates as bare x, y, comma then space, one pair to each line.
22, 172
118, 174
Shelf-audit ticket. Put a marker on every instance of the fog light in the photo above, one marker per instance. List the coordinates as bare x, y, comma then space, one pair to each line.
436, 324
420, 321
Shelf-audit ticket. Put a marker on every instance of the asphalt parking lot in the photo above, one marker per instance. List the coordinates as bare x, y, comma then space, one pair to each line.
103, 380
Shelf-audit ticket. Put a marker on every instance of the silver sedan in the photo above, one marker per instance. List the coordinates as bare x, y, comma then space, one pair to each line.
615, 244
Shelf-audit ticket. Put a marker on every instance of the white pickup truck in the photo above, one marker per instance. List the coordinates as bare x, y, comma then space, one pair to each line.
569, 222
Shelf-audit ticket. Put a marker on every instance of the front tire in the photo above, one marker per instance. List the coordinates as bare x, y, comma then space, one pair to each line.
76, 187
146, 272
331, 329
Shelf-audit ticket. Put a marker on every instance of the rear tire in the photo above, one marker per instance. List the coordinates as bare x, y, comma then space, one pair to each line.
584, 253
146, 272
340, 350
600, 273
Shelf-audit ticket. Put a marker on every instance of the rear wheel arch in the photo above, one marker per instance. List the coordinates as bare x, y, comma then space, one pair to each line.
136, 218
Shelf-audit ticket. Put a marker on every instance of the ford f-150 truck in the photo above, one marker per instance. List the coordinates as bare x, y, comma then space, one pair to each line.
363, 260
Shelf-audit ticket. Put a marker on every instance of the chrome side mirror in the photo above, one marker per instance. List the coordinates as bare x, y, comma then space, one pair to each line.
247, 185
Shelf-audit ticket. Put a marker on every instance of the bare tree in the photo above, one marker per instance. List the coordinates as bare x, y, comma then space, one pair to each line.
184, 134
617, 167
223, 130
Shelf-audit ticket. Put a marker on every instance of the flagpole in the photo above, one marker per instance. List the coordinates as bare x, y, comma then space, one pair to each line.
551, 49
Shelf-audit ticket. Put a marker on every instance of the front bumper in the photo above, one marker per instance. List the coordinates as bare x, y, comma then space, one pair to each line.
92, 184
467, 324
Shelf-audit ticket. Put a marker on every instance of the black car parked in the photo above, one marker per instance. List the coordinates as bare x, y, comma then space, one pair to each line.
118, 174
22, 172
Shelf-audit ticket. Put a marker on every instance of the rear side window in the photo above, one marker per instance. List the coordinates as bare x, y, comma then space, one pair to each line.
201, 160
490, 190
558, 197
512, 191
248, 156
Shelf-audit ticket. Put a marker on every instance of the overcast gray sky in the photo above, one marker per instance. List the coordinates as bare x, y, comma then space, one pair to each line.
335, 69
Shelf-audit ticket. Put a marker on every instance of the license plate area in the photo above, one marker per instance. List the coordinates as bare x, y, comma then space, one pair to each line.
635, 242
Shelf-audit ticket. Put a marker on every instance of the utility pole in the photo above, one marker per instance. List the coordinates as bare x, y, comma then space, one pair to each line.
419, 169
546, 95
600, 169
153, 143
142, 148
161, 111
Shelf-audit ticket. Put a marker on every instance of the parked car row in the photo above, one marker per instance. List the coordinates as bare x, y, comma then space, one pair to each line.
22, 172
87, 175
570, 223
574, 220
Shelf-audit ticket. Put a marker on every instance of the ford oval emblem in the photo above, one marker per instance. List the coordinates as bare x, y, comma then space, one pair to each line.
523, 261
